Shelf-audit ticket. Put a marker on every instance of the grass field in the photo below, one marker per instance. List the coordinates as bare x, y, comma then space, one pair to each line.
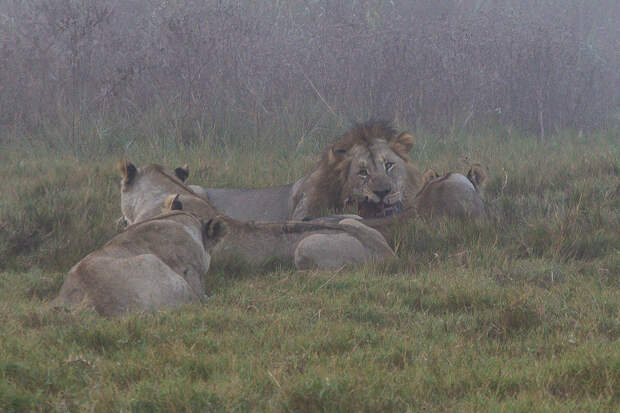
517, 313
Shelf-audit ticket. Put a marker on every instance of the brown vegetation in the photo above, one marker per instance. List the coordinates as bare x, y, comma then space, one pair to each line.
92, 71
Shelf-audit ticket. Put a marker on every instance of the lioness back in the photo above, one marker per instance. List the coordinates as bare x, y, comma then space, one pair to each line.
159, 262
261, 204
453, 195
260, 243
146, 284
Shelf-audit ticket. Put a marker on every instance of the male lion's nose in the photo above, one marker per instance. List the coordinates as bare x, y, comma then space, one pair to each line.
381, 193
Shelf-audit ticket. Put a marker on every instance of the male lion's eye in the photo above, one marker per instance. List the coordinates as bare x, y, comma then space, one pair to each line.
363, 172
388, 166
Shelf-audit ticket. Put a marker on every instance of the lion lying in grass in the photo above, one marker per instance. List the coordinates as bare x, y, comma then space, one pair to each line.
159, 262
368, 170
452, 194
347, 173
304, 244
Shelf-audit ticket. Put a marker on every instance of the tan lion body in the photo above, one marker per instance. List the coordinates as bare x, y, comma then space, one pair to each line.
157, 263
451, 195
276, 203
305, 244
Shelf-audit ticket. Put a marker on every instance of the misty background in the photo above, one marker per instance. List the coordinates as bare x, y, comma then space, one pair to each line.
105, 74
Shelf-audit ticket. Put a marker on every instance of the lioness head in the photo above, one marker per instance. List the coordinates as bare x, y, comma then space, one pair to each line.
129, 172
368, 168
214, 229
143, 189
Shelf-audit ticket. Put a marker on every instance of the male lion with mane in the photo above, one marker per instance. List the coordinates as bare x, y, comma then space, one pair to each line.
369, 167
367, 171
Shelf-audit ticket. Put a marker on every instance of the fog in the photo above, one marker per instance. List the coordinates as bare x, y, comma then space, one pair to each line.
79, 70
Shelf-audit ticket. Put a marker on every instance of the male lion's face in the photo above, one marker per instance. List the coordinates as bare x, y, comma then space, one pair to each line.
376, 179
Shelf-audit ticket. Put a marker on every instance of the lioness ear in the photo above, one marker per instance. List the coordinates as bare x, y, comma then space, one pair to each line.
182, 173
402, 143
429, 175
215, 229
172, 203
476, 175
128, 171
335, 154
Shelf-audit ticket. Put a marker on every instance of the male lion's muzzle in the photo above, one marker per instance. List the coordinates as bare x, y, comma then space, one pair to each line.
369, 209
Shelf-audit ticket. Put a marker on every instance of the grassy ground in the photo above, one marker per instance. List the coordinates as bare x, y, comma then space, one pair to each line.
519, 313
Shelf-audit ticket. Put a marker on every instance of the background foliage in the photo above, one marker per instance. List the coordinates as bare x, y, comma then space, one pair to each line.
110, 71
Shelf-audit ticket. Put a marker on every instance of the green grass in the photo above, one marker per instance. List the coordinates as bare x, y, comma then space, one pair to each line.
517, 313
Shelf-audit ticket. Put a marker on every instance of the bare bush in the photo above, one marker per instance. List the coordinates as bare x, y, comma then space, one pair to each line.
88, 71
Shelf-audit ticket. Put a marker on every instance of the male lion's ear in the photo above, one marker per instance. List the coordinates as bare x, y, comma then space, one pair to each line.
215, 229
128, 171
182, 173
403, 143
476, 175
172, 203
429, 175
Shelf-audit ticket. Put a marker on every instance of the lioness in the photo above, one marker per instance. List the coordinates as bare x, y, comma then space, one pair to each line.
159, 262
452, 194
306, 244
